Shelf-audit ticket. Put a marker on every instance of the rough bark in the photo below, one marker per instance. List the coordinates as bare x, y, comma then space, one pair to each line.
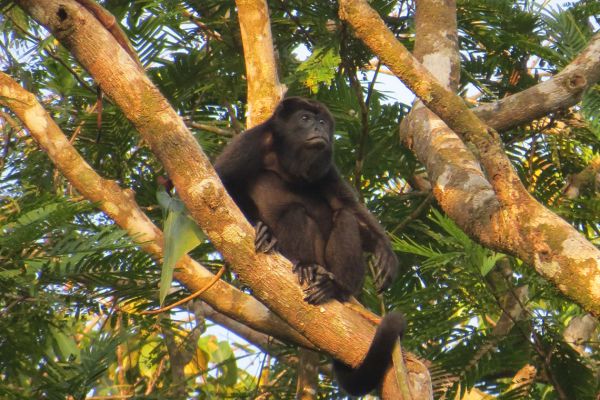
561, 91
436, 145
436, 46
436, 40
264, 89
505, 218
332, 327
120, 205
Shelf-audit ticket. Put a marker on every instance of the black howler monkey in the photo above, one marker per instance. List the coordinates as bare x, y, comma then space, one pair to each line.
282, 177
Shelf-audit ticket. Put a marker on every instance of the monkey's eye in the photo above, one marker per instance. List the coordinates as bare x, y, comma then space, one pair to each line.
305, 117
322, 121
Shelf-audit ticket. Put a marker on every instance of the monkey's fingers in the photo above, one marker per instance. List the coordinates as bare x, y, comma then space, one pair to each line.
316, 297
260, 230
270, 245
264, 244
300, 270
383, 279
265, 241
381, 285
313, 273
319, 292
259, 243
380, 265
322, 289
260, 227
321, 274
307, 273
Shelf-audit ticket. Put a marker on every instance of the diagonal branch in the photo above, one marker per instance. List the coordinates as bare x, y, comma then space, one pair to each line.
508, 218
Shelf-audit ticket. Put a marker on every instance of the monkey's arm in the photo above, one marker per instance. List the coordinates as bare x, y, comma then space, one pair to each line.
238, 165
374, 237
243, 157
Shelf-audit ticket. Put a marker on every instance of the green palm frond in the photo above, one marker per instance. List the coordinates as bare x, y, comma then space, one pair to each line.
590, 109
67, 376
567, 33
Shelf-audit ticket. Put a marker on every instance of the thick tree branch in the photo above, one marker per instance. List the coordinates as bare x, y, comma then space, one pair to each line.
561, 91
510, 220
436, 46
264, 89
440, 150
334, 328
120, 205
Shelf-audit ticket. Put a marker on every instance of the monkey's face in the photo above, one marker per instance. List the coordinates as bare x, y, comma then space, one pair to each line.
313, 129
304, 141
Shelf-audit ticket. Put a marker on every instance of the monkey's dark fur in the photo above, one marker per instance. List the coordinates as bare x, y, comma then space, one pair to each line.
282, 177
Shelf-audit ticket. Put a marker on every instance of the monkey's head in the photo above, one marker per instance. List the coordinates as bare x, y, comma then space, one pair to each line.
303, 138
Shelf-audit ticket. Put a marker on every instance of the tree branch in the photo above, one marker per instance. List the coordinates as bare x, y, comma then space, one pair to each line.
264, 89
561, 91
264, 92
507, 218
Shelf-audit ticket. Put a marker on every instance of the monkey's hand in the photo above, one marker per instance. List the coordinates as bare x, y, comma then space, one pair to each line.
265, 241
386, 265
322, 288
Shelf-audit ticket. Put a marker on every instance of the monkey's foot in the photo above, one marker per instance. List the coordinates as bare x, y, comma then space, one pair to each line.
307, 273
265, 241
322, 288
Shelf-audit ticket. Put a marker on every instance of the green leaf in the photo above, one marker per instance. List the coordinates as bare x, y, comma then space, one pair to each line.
181, 236
449, 226
9, 273
226, 359
66, 345
489, 261
34, 216
319, 68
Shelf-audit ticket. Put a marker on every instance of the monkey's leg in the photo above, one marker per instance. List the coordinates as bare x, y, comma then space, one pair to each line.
300, 240
344, 254
344, 261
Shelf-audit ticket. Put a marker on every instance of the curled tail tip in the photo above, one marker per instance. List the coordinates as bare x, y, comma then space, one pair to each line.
394, 321
368, 376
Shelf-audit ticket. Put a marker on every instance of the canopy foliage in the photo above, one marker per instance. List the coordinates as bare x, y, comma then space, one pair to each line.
73, 284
